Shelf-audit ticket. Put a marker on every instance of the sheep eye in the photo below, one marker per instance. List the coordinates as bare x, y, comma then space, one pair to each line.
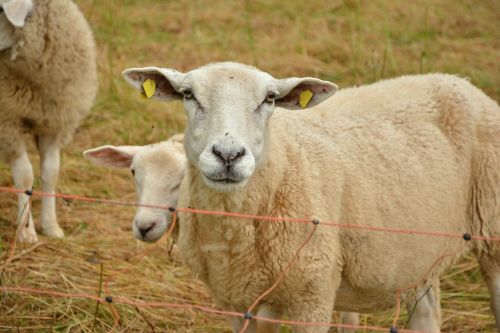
1, 9
133, 172
188, 94
270, 97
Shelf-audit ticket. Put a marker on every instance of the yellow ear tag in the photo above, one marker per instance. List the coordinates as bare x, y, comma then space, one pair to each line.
149, 88
305, 98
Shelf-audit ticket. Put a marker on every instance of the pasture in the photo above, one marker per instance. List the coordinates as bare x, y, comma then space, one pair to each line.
348, 42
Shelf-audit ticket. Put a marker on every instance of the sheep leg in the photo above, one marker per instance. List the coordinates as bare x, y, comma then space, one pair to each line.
49, 163
425, 310
490, 268
22, 173
266, 311
237, 325
349, 318
312, 311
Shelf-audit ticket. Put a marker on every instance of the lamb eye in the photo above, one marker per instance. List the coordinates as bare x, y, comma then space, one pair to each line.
133, 172
270, 97
188, 93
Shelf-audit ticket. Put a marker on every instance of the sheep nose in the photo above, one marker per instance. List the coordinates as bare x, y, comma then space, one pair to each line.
228, 156
144, 229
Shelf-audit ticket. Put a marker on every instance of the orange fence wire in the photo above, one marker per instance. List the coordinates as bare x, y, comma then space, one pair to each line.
111, 300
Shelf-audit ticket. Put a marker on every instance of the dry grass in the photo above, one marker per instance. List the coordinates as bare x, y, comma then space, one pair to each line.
349, 42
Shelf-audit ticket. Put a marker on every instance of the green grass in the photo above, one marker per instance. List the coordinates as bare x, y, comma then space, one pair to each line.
349, 42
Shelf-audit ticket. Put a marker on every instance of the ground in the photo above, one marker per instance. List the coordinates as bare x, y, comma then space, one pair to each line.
348, 42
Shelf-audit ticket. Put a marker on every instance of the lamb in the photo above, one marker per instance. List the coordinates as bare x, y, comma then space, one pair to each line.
417, 152
158, 170
49, 81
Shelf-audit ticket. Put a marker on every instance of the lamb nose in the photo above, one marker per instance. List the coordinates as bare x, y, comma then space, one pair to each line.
144, 230
228, 156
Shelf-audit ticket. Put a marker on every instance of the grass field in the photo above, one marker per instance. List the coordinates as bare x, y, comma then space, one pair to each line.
348, 42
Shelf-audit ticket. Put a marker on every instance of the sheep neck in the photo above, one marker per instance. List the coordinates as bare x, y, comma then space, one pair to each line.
229, 240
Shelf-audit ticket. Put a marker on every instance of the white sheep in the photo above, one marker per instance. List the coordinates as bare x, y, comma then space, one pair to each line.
418, 152
49, 82
158, 170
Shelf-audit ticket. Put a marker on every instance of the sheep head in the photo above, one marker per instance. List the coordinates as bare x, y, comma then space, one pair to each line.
157, 170
228, 106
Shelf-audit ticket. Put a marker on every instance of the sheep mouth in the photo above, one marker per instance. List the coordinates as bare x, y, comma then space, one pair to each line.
224, 180
223, 177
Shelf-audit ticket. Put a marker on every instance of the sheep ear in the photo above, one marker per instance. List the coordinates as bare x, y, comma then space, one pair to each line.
112, 156
166, 82
301, 93
16, 11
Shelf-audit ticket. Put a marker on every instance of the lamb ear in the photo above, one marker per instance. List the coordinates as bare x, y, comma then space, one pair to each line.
112, 156
166, 82
16, 11
301, 93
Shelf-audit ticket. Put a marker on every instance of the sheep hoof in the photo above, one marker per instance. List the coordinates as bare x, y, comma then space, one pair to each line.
54, 232
27, 235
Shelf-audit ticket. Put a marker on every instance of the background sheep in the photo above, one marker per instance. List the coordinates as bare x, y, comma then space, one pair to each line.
49, 81
427, 159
